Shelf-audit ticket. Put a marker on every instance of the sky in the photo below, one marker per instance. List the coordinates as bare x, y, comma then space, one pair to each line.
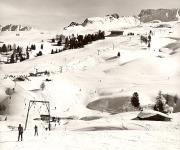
56, 14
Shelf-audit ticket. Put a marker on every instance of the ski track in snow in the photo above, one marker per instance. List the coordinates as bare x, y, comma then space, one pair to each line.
129, 140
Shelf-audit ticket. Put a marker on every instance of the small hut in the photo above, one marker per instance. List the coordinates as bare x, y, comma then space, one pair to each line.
116, 32
153, 116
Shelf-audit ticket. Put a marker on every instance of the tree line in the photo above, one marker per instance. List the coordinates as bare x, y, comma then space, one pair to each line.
17, 53
69, 42
162, 102
79, 41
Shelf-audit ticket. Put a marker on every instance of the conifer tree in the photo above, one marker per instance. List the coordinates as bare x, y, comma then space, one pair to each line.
27, 55
4, 48
159, 105
12, 59
135, 100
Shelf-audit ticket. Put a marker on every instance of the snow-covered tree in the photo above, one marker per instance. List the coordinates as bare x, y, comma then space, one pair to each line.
160, 103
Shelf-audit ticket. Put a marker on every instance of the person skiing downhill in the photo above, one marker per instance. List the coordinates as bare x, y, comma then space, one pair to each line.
35, 130
20, 132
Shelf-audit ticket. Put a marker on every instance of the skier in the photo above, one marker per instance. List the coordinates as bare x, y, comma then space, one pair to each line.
149, 45
35, 130
149, 38
20, 132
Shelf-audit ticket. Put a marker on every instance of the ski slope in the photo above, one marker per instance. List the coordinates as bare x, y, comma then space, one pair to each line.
89, 74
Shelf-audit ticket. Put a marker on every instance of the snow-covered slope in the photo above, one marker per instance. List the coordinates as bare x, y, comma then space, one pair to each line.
81, 76
176, 30
86, 74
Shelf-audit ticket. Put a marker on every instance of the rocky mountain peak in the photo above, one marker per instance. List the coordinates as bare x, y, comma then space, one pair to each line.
11, 27
164, 15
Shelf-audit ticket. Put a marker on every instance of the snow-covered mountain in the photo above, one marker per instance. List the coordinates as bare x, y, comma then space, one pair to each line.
109, 22
72, 24
12, 27
164, 15
115, 22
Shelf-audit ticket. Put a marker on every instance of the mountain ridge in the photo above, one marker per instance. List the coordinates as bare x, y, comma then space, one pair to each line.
164, 15
145, 15
11, 27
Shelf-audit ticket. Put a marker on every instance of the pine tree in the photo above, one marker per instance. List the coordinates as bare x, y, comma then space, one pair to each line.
59, 43
2, 108
175, 99
32, 48
4, 48
20, 56
66, 43
27, 55
18, 49
135, 100
12, 59
9, 48
53, 40
40, 53
101, 34
159, 105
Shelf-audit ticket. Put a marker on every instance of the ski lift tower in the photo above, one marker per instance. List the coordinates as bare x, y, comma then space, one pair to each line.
31, 103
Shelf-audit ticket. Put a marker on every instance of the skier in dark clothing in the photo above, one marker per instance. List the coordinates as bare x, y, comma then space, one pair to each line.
35, 130
20, 132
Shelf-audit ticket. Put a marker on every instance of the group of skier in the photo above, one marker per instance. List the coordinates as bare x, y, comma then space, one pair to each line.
20, 132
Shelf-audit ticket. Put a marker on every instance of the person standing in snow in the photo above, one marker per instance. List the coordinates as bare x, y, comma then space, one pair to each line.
20, 132
118, 54
35, 130
149, 45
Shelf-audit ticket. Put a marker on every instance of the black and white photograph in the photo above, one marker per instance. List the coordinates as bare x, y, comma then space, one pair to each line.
89, 75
